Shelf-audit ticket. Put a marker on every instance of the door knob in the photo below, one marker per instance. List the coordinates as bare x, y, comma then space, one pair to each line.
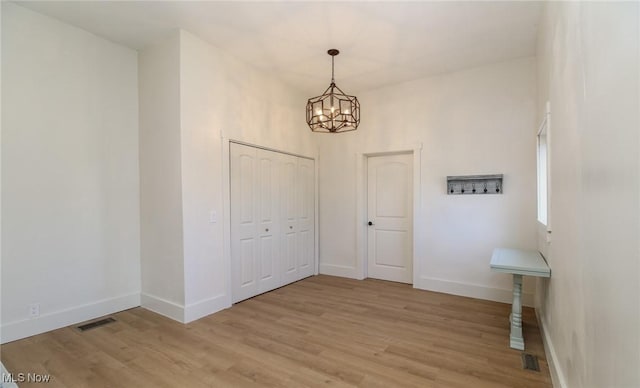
370, 223
290, 227
266, 230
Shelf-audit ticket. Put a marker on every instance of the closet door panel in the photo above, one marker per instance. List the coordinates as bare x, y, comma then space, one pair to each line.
290, 240
305, 257
305, 184
289, 212
288, 184
244, 222
247, 264
268, 208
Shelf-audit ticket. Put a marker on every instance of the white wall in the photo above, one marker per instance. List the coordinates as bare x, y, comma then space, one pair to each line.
222, 96
219, 96
70, 208
590, 308
477, 121
162, 257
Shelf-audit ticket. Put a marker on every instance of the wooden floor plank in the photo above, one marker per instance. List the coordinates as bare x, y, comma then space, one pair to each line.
317, 332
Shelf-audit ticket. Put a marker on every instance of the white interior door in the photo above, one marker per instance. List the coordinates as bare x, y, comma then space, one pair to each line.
272, 220
244, 222
255, 263
306, 219
268, 213
289, 213
390, 213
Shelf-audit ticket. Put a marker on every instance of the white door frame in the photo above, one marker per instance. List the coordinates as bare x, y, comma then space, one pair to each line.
361, 205
226, 205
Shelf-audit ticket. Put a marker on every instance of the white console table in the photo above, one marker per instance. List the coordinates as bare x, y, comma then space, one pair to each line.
518, 263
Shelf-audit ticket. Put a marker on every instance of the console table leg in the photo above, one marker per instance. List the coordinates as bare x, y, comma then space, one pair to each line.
516, 340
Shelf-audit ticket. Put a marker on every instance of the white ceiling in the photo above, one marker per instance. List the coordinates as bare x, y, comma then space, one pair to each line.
380, 42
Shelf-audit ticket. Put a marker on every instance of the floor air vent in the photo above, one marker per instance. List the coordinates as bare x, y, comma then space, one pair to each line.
93, 325
529, 361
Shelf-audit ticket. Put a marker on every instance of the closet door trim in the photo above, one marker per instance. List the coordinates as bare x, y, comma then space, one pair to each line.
270, 149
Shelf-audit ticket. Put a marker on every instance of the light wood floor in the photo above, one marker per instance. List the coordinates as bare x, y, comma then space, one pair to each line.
320, 331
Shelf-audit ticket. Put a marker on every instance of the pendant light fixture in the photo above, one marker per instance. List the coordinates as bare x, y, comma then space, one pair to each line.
333, 111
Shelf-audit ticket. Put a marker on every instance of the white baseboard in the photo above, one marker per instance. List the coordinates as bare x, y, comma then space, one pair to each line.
206, 307
162, 306
557, 377
471, 290
28, 327
188, 313
340, 270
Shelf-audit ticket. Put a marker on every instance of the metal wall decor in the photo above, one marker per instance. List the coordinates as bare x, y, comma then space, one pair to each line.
334, 111
475, 184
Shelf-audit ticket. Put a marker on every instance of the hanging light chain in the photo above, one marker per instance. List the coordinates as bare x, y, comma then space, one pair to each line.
333, 81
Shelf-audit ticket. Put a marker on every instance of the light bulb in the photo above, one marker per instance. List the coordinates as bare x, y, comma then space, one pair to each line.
319, 112
346, 111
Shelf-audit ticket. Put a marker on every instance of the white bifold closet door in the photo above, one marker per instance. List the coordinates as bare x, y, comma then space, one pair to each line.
272, 220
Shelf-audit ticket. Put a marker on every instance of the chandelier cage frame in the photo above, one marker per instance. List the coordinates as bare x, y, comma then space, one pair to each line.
334, 111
